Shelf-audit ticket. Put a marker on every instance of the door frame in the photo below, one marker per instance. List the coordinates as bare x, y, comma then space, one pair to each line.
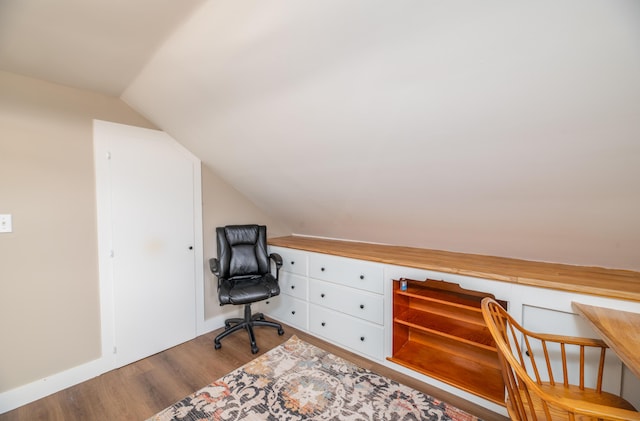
102, 131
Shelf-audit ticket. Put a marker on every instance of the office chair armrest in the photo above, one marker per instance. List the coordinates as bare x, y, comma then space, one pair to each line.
277, 259
214, 266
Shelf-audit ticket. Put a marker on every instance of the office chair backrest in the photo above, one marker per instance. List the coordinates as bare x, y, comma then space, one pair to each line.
242, 250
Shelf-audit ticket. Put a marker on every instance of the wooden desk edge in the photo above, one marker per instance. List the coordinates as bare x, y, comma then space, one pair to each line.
611, 283
590, 314
583, 310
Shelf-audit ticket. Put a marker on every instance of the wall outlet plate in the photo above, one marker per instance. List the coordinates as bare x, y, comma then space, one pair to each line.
5, 223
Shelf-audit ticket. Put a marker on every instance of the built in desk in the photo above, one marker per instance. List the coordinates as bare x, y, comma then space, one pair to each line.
612, 283
326, 283
619, 329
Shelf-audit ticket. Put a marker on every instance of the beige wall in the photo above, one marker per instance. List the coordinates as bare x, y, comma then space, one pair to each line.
223, 205
49, 299
49, 303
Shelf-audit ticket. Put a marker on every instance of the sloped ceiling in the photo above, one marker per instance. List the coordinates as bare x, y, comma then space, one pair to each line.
501, 128
488, 127
99, 45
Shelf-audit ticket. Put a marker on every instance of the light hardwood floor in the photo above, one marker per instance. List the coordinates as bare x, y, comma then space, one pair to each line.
139, 390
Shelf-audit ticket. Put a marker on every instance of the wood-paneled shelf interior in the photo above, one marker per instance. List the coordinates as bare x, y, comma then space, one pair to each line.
438, 330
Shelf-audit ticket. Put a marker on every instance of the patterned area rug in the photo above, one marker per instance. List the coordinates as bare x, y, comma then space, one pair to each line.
297, 381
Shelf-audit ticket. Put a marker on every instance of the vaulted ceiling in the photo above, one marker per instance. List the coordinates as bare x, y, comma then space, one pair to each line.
491, 127
100, 45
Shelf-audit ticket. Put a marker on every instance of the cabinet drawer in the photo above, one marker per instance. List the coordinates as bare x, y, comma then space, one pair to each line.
363, 337
293, 261
294, 285
286, 309
361, 304
353, 273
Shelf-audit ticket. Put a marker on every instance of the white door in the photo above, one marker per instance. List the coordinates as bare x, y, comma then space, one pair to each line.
152, 245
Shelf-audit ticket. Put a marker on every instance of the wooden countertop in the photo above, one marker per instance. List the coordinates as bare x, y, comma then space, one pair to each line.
614, 283
619, 329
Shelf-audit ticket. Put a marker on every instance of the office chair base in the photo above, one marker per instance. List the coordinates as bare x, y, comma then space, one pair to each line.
248, 322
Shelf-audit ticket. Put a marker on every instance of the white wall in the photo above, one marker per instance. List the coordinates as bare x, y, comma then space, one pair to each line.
492, 127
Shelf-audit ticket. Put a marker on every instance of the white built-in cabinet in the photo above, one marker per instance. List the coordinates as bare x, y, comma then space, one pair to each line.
348, 302
292, 305
337, 299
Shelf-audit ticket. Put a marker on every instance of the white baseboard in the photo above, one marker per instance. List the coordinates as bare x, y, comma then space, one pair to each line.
212, 324
38, 389
30, 392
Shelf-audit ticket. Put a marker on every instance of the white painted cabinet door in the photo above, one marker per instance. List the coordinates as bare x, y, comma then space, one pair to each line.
352, 273
357, 303
151, 228
361, 336
287, 309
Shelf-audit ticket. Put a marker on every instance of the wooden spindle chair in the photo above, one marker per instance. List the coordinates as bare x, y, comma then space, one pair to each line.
540, 374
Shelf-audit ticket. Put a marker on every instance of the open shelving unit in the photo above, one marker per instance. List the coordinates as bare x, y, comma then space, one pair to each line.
438, 330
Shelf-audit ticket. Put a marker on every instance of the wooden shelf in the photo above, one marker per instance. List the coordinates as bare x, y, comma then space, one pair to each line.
433, 295
438, 330
466, 374
471, 333
466, 314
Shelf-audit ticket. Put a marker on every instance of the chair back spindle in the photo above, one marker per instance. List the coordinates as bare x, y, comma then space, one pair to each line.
552, 377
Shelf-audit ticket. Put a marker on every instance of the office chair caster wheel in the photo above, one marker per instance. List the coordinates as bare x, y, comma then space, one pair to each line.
254, 349
217, 345
280, 332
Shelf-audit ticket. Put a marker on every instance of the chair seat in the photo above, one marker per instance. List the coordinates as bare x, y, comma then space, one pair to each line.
570, 392
587, 394
249, 290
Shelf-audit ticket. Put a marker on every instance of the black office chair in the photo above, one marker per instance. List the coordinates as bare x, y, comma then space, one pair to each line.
244, 276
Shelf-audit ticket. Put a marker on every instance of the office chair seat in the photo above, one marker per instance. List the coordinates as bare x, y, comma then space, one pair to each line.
249, 290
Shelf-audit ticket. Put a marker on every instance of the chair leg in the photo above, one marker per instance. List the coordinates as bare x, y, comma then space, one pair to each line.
229, 322
257, 316
248, 322
269, 324
227, 332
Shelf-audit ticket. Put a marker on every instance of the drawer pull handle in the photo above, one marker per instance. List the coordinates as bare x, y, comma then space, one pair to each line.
362, 338
293, 262
322, 295
268, 302
322, 269
361, 276
293, 287
323, 323
362, 306
293, 312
